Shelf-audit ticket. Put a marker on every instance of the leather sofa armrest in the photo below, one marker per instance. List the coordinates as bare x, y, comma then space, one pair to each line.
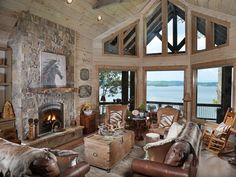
79, 170
156, 169
158, 153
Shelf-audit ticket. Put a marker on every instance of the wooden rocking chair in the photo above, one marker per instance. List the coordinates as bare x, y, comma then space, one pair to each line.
218, 140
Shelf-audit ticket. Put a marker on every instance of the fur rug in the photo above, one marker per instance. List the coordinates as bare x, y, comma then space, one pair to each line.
120, 169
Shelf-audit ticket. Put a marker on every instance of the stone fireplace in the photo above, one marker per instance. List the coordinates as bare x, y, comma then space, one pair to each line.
51, 117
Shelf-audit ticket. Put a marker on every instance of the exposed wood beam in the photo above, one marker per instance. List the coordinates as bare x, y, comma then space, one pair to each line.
100, 3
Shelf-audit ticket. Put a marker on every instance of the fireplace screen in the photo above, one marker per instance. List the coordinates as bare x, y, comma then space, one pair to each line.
50, 117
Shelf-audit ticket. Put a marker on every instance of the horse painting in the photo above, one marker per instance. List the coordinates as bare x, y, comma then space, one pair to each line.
52, 72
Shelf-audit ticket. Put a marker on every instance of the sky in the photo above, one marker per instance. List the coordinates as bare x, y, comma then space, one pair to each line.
204, 75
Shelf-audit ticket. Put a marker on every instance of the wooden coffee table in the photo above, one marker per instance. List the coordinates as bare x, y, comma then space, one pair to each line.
104, 151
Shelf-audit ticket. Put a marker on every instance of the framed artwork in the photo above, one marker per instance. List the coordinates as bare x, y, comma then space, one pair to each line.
52, 70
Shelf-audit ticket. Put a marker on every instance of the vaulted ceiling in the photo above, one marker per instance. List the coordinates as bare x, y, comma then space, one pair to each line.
225, 6
81, 15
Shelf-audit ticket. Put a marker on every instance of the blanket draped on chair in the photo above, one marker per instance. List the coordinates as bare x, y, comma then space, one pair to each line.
191, 134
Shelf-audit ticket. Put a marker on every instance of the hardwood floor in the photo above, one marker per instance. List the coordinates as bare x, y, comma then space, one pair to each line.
210, 165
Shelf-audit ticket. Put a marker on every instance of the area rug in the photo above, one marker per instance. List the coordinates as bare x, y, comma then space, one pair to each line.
120, 169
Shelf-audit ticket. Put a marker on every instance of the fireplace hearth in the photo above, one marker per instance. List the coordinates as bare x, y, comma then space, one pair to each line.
51, 117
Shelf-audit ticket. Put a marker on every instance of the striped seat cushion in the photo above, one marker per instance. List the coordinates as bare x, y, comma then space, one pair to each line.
221, 129
115, 117
166, 120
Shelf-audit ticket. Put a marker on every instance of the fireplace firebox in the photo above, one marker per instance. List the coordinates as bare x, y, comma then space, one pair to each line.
51, 117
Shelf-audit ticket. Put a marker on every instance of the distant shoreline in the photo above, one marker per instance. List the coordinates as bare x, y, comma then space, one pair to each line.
178, 83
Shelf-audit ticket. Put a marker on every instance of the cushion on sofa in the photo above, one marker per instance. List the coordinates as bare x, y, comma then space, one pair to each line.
175, 130
177, 154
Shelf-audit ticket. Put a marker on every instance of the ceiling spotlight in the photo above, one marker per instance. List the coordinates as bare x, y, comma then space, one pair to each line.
69, 1
99, 18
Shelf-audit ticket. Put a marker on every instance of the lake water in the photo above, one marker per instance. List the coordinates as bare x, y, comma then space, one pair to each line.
175, 94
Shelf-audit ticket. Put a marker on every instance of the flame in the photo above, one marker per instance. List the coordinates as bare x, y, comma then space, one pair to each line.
51, 117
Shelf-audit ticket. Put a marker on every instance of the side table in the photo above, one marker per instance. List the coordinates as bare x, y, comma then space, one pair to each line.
89, 123
139, 125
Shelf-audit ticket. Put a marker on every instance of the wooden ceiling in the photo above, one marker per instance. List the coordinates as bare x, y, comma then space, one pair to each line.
225, 6
81, 15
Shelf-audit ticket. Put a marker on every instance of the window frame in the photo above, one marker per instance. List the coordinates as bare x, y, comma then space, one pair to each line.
209, 28
120, 39
164, 11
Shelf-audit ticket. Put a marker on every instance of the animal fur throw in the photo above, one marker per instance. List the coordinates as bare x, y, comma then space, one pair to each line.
16, 159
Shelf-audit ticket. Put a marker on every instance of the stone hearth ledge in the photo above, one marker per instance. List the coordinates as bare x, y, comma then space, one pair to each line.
56, 139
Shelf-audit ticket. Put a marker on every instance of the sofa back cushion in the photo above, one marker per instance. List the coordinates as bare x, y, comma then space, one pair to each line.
177, 154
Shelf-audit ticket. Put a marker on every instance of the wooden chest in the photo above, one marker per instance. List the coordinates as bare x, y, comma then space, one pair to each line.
104, 152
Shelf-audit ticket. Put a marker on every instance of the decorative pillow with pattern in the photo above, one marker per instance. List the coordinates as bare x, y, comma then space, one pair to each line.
222, 128
166, 120
115, 117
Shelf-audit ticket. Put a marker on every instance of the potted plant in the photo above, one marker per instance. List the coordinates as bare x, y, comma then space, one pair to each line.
142, 110
87, 108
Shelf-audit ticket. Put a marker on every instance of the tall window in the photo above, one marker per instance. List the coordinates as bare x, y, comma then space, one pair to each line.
116, 87
175, 28
154, 32
208, 92
165, 88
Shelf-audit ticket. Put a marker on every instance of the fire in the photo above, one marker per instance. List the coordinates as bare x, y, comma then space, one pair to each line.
51, 117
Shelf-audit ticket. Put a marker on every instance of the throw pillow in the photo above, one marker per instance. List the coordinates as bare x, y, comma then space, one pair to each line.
177, 154
115, 117
222, 128
175, 130
166, 120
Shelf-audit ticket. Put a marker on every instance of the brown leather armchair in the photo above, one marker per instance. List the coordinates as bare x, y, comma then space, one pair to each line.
22, 160
177, 158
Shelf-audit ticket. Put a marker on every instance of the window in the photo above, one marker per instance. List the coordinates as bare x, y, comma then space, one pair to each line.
214, 92
111, 46
154, 32
220, 34
175, 30
165, 88
116, 87
128, 40
201, 34
207, 34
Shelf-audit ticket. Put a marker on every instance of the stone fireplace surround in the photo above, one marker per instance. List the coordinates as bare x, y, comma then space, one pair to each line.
33, 35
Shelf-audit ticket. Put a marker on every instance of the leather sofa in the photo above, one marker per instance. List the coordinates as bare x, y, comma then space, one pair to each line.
21, 160
177, 158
